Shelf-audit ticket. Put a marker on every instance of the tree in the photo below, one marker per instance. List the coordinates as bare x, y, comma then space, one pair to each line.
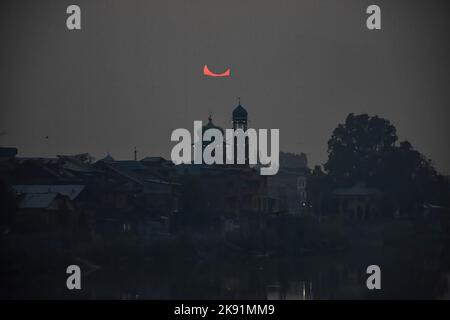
356, 147
365, 149
318, 190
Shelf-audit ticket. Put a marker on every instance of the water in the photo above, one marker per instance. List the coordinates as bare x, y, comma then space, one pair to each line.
413, 265
272, 278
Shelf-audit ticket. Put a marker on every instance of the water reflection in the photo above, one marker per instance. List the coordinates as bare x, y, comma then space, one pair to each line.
415, 272
301, 290
272, 278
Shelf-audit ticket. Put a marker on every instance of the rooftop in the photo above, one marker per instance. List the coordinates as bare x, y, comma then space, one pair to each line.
37, 200
358, 189
71, 191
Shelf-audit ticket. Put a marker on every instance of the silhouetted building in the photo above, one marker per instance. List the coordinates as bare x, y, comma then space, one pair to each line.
211, 125
45, 211
240, 121
7, 153
358, 202
289, 185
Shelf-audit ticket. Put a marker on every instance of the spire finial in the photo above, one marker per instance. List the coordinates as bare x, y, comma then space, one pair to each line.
239, 101
209, 117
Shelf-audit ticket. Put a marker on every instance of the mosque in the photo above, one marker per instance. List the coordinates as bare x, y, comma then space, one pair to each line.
231, 191
240, 121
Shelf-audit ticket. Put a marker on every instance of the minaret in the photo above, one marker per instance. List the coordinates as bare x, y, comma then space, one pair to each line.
240, 122
239, 117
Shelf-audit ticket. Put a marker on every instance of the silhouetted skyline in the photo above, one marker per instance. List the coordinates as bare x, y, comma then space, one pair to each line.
133, 73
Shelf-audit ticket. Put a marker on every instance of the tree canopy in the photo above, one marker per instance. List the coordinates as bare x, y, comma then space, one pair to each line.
366, 149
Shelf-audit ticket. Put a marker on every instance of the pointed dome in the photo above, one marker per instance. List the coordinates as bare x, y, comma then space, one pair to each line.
211, 125
239, 113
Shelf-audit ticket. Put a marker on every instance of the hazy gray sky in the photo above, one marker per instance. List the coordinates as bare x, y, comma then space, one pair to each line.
134, 72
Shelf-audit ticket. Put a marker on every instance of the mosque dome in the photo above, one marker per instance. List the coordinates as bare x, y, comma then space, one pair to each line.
211, 125
239, 113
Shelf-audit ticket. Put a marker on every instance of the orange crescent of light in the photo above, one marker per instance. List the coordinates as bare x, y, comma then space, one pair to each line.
207, 72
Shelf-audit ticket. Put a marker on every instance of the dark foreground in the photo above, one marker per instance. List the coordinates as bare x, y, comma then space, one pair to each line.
320, 264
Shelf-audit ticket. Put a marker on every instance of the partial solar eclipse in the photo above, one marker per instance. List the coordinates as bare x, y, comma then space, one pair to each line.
208, 72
